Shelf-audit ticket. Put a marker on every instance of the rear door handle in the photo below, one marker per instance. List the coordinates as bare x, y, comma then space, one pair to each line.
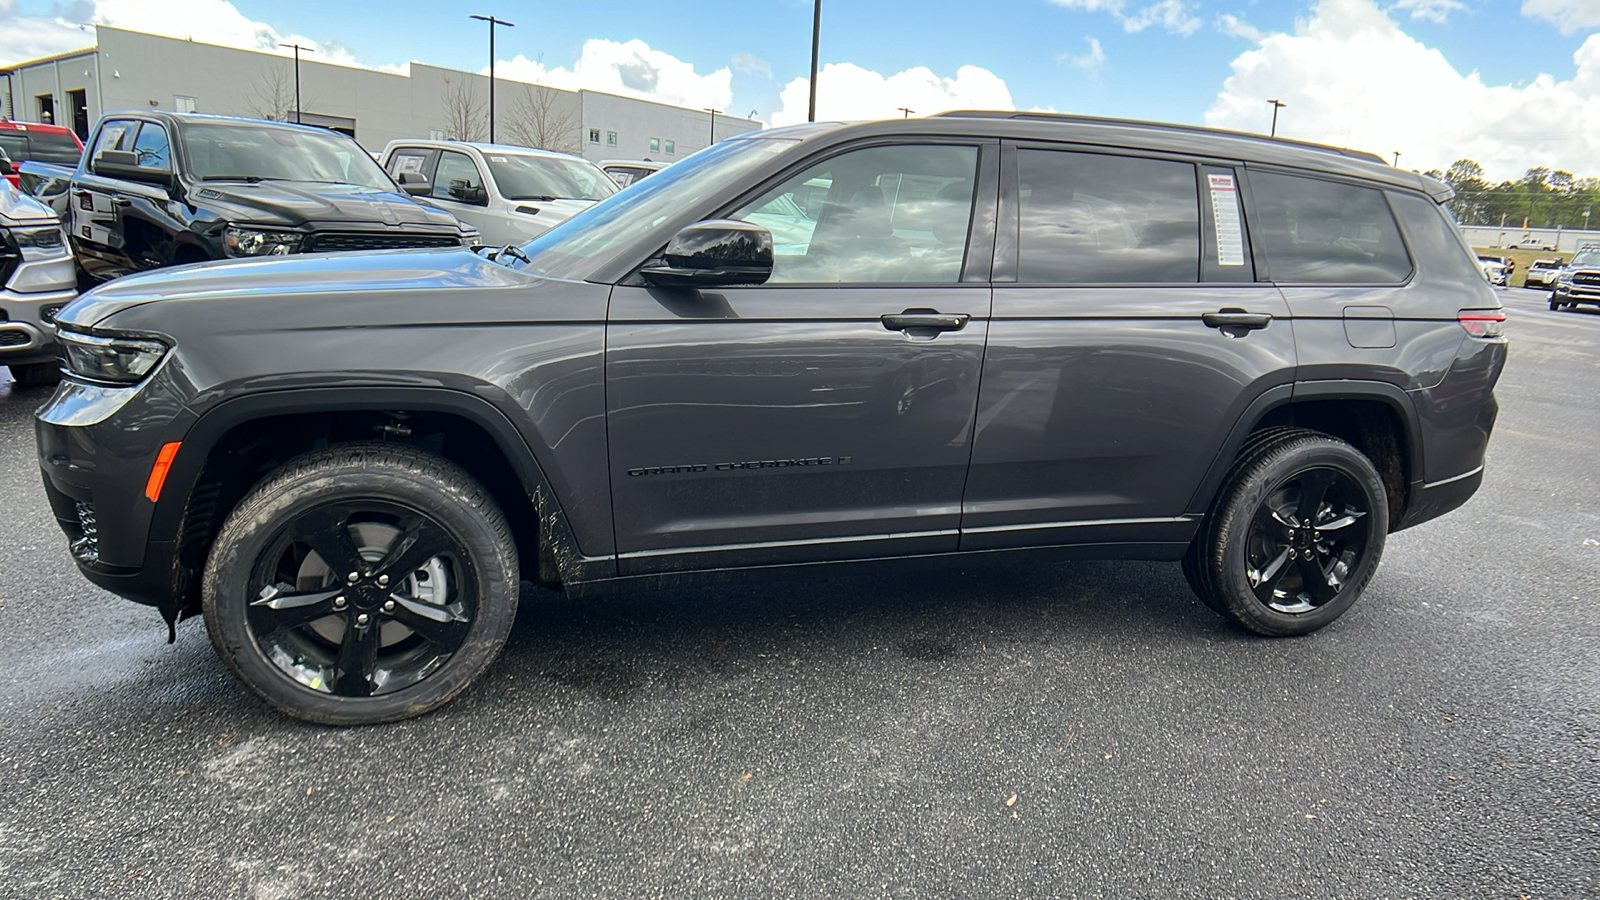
919, 320
1236, 320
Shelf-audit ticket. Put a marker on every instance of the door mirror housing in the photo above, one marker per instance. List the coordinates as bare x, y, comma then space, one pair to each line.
6, 168
714, 253
414, 184
467, 192
125, 164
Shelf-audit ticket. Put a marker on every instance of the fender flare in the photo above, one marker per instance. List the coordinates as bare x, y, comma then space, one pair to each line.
204, 435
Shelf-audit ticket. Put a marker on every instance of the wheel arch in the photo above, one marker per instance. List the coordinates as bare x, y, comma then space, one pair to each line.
232, 446
1377, 417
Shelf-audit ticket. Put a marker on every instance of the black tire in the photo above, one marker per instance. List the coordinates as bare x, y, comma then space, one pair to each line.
1292, 492
1191, 558
427, 607
36, 374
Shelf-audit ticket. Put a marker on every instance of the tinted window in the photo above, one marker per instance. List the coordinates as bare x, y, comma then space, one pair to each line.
1323, 232
881, 214
15, 145
53, 148
1087, 218
152, 148
457, 178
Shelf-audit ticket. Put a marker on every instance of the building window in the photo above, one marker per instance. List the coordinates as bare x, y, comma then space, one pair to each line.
594, 135
655, 145
185, 104
670, 145
611, 139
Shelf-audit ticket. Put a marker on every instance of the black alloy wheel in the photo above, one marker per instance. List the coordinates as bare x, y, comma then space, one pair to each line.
1295, 533
364, 583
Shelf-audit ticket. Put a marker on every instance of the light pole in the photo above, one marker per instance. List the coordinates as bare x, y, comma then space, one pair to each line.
816, 35
713, 112
1397, 159
1276, 105
297, 49
907, 112
492, 23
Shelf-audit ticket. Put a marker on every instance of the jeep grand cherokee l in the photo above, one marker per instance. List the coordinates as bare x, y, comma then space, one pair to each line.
1002, 335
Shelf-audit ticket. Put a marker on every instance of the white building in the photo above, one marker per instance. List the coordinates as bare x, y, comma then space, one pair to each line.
131, 70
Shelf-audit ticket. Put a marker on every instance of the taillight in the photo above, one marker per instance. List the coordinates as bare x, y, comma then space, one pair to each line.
1484, 323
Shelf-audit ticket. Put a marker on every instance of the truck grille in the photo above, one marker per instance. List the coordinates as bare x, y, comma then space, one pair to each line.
368, 240
10, 257
13, 339
1586, 278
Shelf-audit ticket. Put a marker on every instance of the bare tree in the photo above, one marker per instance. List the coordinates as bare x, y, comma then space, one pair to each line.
539, 118
463, 112
273, 97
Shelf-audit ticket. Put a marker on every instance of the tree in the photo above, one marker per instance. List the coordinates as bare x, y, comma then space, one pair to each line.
273, 97
463, 112
539, 118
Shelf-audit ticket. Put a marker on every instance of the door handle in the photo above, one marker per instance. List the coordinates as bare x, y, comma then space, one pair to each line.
1232, 319
925, 320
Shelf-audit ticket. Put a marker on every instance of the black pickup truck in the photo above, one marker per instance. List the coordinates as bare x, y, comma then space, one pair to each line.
158, 189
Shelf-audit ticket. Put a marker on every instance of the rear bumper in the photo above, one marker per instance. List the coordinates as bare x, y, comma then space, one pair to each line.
1430, 501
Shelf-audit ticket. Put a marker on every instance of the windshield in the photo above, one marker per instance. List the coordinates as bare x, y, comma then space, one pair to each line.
529, 177
1586, 257
567, 250
253, 150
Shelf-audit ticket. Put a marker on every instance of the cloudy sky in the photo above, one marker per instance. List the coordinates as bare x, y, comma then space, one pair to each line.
1510, 83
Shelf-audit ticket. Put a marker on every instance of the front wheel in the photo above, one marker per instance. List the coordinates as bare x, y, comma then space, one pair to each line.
1294, 536
363, 583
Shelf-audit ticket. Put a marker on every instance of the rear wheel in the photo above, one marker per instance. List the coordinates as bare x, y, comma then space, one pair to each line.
1294, 536
363, 583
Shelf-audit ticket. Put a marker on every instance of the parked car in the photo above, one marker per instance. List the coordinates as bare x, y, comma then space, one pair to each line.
626, 171
159, 189
36, 280
24, 141
1008, 336
509, 194
1542, 274
1578, 283
1533, 244
1494, 271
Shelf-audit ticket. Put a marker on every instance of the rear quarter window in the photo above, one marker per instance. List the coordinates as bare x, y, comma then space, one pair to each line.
1326, 232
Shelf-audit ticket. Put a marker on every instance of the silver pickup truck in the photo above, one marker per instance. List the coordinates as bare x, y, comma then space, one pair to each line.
36, 280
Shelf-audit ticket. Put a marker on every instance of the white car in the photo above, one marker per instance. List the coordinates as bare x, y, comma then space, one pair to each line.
626, 171
510, 194
1494, 271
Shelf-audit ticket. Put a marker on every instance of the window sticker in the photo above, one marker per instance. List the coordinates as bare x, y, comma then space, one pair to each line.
408, 164
1225, 216
498, 159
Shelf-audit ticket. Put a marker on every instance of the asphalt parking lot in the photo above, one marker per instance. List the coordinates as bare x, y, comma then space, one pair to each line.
1076, 730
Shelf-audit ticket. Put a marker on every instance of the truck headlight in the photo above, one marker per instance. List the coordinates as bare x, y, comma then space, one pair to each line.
118, 360
40, 244
238, 241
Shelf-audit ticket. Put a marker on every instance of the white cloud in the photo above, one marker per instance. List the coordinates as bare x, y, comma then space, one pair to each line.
1089, 62
1173, 15
1234, 26
207, 21
1351, 77
751, 64
1431, 10
1567, 15
630, 69
846, 91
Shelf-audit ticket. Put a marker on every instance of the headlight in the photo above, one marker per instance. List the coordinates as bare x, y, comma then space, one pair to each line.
254, 242
1564, 277
39, 244
121, 360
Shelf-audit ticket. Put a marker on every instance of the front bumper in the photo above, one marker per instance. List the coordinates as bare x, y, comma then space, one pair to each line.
1578, 294
27, 326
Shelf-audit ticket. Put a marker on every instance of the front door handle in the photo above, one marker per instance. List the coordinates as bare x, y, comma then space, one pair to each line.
1233, 320
925, 320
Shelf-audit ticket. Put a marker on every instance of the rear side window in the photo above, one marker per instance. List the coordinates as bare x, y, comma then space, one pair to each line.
1324, 232
1089, 218
54, 148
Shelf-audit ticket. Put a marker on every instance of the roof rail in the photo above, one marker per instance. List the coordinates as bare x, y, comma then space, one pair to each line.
1163, 126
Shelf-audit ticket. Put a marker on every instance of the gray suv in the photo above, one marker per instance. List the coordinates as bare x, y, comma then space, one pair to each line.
980, 336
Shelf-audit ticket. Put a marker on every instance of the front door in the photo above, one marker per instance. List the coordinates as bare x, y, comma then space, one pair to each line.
827, 413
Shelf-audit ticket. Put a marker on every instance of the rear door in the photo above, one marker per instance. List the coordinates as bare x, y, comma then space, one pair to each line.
827, 413
1128, 336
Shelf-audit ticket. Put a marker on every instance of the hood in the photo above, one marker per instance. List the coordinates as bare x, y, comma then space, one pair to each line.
17, 208
296, 204
550, 212
341, 277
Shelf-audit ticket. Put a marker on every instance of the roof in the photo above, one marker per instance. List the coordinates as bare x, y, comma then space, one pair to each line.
41, 60
46, 127
480, 146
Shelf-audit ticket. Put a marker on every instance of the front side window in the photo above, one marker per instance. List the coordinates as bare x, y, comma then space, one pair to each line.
883, 214
1089, 218
457, 179
1325, 232
116, 135
152, 148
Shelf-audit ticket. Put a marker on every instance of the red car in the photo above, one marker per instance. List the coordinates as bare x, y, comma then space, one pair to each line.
23, 141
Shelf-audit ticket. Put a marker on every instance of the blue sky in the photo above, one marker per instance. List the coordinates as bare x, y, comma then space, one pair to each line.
1376, 74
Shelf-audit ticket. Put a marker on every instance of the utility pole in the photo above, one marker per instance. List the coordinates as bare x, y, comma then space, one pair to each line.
713, 123
492, 23
907, 112
816, 35
297, 49
1276, 105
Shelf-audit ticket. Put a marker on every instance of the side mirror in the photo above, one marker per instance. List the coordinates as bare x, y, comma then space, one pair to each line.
715, 253
467, 192
125, 164
414, 184
6, 168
